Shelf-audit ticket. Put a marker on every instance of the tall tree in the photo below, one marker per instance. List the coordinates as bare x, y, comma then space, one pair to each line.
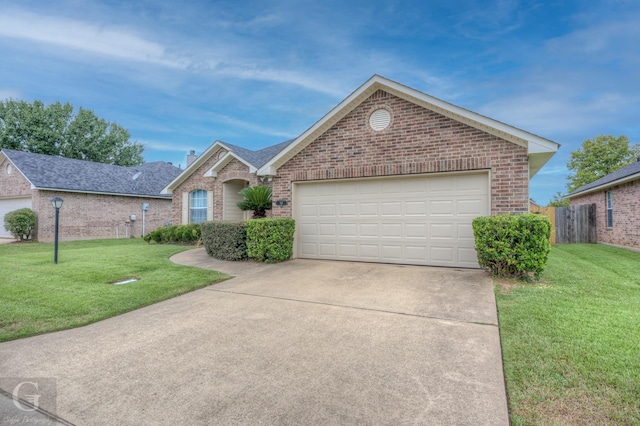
55, 130
598, 157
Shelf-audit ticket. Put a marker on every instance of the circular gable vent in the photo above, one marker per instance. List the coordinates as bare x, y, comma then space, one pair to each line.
379, 119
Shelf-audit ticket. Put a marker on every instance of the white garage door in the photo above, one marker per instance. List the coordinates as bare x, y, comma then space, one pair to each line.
8, 205
417, 220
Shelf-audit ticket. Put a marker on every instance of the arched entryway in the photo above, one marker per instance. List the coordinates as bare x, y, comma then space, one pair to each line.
231, 198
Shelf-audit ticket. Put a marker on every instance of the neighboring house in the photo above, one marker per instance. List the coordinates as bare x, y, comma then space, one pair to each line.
617, 200
99, 199
389, 175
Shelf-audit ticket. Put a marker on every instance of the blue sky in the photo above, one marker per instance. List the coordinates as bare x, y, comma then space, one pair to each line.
179, 75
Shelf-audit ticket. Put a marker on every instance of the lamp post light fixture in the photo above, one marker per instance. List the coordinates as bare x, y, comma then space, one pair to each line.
56, 202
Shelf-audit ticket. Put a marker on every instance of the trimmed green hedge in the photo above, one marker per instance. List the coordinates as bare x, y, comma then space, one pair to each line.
225, 240
20, 223
270, 240
175, 234
513, 245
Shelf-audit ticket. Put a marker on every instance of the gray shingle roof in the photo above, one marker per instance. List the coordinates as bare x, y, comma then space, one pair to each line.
258, 158
629, 170
52, 172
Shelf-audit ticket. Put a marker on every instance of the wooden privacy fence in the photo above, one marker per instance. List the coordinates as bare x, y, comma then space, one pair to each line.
550, 213
576, 224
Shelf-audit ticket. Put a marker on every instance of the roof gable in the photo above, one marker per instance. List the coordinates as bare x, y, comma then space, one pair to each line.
252, 159
625, 174
50, 172
540, 150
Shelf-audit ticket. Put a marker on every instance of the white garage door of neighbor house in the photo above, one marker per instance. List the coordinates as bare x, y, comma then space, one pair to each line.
8, 205
417, 220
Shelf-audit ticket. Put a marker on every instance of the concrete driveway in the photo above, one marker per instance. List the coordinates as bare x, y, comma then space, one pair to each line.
302, 342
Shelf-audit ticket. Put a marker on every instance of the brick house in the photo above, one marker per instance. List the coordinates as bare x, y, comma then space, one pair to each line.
99, 199
389, 175
617, 200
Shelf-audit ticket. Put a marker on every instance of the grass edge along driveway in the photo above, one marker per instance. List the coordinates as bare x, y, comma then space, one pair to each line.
39, 297
571, 343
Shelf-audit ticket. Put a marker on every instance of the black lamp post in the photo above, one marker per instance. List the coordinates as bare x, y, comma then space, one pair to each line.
56, 202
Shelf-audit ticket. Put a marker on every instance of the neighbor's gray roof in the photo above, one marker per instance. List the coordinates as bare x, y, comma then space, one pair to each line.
52, 172
631, 169
258, 158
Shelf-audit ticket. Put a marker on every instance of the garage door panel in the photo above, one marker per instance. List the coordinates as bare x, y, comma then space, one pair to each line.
308, 249
327, 209
308, 229
327, 249
415, 230
391, 230
442, 231
441, 208
369, 251
465, 231
423, 220
368, 209
392, 253
369, 230
391, 208
415, 208
442, 254
346, 230
309, 210
471, 207
327, 230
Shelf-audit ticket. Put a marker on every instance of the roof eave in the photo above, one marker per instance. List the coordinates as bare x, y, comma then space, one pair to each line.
619, 181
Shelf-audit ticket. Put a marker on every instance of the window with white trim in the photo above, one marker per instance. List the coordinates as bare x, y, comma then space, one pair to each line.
609, 202
197, 206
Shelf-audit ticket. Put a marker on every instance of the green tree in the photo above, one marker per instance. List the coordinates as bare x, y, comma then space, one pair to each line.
55, 130
598, 157
558, 200
257, 199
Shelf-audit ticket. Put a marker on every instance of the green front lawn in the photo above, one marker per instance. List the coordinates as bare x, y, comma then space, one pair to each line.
38, 297
571, 344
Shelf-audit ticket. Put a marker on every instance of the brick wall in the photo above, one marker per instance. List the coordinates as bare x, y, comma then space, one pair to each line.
417, 141
88, 216
12, 184
626, 214
232, 171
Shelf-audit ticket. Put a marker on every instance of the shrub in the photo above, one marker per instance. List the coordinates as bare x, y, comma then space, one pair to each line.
270, 240
513, 245
175, 234
225, 240
257, 199
20, 223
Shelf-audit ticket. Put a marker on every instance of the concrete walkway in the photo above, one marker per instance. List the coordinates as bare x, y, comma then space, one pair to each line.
301, 342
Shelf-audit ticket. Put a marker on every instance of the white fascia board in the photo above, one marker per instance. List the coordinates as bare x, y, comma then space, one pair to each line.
192, 167
606, 185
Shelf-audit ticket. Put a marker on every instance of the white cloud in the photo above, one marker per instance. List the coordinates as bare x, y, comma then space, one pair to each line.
250, 126
94, 38
161, 146
9, 94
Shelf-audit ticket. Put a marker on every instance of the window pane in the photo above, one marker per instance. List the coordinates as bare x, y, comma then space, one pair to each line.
198, 206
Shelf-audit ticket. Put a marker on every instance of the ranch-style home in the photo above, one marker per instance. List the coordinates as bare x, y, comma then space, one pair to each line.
99, 200
389, 175
617, 200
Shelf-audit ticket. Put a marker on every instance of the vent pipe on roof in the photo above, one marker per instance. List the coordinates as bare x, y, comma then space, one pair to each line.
191, 157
